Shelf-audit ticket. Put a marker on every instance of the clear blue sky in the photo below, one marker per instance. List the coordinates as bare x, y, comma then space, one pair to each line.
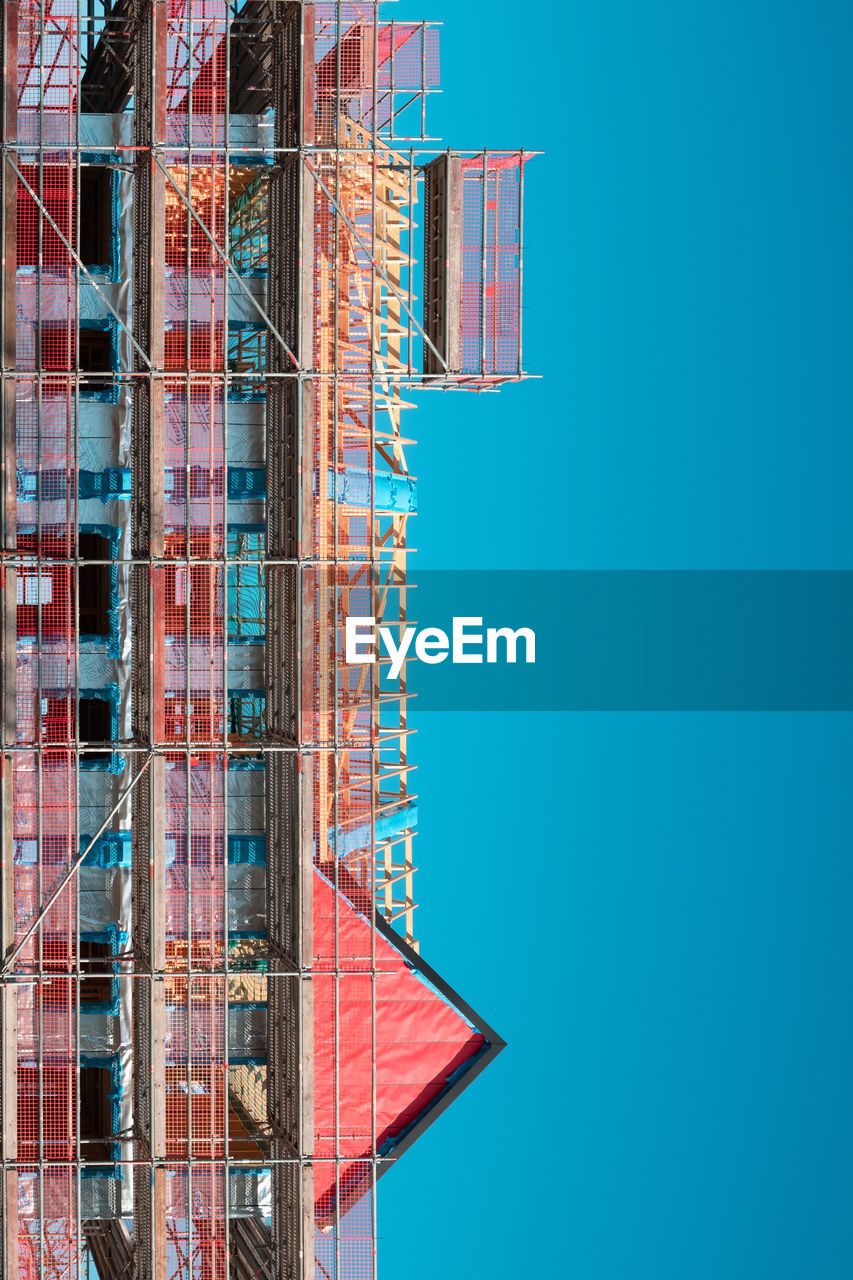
654, 910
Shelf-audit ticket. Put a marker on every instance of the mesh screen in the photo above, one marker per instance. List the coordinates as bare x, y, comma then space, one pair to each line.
263, 319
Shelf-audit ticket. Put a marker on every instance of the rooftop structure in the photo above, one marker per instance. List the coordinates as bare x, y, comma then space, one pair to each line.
217, 1030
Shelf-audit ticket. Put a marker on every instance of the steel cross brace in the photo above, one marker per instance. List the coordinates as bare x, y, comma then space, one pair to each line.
229, 264
40, 205
353, 232
71, 872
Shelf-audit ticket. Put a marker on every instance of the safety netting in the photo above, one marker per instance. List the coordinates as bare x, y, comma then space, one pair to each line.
388, 1044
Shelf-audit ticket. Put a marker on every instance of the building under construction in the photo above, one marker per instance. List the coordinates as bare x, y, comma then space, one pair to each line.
232, 260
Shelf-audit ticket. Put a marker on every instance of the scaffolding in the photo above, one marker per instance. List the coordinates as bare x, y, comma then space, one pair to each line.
217, 1030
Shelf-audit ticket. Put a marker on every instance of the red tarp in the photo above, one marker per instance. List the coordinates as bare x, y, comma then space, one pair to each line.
421, 1041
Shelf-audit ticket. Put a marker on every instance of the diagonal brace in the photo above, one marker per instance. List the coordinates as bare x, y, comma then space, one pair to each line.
40, 206
353, 232
229, 264
72, 871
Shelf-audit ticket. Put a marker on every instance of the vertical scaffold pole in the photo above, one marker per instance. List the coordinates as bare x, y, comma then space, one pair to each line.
306, 595
8, 617
149, 824
156, 429
289, 645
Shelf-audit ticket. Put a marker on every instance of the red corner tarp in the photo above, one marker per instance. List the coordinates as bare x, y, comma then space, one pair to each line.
422, 1042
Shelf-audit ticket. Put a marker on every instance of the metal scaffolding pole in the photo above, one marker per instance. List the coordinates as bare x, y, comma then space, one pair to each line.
288, 782
8, 624
148, 843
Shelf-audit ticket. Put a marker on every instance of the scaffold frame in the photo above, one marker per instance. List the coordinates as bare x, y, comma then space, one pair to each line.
210, 339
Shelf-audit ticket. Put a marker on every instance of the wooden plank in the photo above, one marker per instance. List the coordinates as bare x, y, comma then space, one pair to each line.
308, 41
453, 320
159, 1225
443, 263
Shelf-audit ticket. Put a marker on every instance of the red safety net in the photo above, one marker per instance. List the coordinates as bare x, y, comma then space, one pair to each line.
491, 281
410, 1047
375, 74
44, 773
51, 1126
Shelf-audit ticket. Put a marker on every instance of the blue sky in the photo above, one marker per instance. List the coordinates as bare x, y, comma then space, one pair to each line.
652, 909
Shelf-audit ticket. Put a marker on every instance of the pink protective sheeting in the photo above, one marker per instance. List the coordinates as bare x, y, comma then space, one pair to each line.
511, 161
421, 1041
